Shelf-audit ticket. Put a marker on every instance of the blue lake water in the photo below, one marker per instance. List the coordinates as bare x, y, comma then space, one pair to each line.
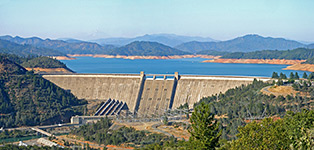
191, 66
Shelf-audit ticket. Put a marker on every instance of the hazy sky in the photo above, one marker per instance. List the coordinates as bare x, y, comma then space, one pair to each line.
218, 19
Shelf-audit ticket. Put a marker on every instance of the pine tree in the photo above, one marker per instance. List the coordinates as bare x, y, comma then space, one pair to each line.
291, 75
205, 129
282, 76
311, 76
275, 75
279, 82
296, 76
304, 75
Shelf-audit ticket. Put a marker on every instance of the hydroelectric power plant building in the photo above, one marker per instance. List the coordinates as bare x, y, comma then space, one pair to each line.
147, 94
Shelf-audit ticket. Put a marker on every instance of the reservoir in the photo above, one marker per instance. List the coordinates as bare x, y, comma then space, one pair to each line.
186, 66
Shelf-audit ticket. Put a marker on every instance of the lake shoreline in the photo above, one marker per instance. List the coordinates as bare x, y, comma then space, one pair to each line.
139, 57
294, 64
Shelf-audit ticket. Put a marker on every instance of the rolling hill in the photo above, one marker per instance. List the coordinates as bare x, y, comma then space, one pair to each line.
144, 48
62, 46
247, 43
26, 50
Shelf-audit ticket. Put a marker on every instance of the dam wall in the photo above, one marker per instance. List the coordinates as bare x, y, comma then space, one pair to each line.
100, 87
156, 96
147, 95
191, 89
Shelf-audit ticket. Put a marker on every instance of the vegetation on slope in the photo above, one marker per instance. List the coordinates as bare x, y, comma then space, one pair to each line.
294, 131
212, 52
28, 99
144, 48
247, 43
34, 61
9, 67
239, 105
62, 46
99, 132
26, 50
43, 62
309, 61
296, 54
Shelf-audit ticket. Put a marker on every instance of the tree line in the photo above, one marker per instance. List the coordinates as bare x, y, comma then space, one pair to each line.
32, 61
295, 54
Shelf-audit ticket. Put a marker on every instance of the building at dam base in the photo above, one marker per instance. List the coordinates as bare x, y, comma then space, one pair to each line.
147, 94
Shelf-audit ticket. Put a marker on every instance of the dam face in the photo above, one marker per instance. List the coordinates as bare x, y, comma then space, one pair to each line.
147, 95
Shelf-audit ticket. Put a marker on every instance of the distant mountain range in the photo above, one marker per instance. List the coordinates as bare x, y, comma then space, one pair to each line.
166, 39
247, 43
146, 45
310, 46
81, 47
62, 46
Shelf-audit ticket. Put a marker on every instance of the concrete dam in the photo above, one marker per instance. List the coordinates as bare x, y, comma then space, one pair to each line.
147, 94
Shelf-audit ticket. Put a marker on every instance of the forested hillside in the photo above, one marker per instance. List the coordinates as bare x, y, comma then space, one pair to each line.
28, 99
238, 105
309, 61
212, 52
247, 43
35, 61
298, 54
26, 50
143, 48
43, 62
62, 46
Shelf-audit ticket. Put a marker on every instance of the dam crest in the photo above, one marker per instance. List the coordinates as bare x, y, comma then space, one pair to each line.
148, 94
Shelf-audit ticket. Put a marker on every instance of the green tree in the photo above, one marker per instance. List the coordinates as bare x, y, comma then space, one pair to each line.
311, 76
292, 75
304, 75
279, 82
296, 76
275, 75
267, 134
282, 76
165, 120
205, 131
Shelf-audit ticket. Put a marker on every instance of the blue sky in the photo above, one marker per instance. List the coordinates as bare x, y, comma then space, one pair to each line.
218, 19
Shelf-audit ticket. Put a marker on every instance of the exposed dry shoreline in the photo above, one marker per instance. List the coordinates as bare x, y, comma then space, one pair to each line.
62, 57
49, 70
302, 67
257, 61
295, 64
145, 57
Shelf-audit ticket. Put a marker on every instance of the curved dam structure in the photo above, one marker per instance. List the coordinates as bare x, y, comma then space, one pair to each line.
147, 94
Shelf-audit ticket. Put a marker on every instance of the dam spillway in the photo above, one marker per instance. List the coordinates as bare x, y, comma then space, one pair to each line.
147, 94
